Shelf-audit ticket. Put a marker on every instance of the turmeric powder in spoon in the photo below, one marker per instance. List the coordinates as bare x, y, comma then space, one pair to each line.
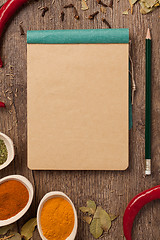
57, 219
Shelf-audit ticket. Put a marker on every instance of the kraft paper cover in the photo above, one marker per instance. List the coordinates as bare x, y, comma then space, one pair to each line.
77, 106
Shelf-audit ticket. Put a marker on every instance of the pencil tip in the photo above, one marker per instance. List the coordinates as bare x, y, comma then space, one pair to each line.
148, 36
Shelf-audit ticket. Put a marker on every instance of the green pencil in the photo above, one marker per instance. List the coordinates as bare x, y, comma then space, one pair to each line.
148, 105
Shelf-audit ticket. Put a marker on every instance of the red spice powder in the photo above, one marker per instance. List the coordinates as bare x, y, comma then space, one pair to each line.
14, 197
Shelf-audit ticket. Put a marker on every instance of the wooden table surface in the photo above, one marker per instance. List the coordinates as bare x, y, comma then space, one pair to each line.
112, 190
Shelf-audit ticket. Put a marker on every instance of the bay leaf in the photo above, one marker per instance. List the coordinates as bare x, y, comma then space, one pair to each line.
105, 220
144, 9
98, 212
95, 228
92, 206
84, 209
150, 3
113, 217
84, 5
16, 236
87, 219
5, 229
28, 228
148, 6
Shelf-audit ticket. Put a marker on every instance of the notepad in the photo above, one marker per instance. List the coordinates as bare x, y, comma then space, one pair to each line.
78, 99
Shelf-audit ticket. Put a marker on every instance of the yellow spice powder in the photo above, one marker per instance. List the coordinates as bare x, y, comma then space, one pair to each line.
57, 219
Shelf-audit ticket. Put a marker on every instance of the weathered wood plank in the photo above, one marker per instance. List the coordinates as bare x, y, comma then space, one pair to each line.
112, 190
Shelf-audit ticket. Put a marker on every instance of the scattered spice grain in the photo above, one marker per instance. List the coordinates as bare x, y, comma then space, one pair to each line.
45, 9
91, 17
9, 98
106, 22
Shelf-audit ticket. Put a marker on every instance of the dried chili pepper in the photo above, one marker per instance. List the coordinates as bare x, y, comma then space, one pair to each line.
6, 12
135, 206
2, 104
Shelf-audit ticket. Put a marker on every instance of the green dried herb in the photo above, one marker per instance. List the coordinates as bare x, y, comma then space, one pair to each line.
95, 228
113, 217
98, 212
91, 207
3, 152
105, 220
28, 229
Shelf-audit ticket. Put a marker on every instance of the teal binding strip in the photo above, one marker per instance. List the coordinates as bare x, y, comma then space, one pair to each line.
78, 36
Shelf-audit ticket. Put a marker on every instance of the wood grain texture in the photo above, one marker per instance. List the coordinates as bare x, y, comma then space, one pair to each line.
112, 190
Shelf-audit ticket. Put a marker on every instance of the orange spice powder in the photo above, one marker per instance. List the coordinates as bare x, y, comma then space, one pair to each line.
57, 219
14, 197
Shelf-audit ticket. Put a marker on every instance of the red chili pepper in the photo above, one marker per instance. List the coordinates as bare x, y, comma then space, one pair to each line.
6, 12
135, 206
2, 104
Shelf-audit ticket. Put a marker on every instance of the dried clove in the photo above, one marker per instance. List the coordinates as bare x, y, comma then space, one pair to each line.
111, 4
106, 22
45, 9
62, 16
102, 3
76, 16
91, 17
21, 29
69, 6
